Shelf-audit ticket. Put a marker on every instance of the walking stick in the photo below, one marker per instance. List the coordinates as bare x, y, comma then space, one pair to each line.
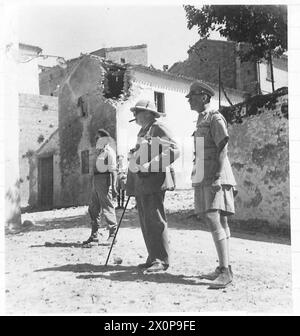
112, 244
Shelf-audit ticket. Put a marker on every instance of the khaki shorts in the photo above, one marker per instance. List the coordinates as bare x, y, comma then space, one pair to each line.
206, 199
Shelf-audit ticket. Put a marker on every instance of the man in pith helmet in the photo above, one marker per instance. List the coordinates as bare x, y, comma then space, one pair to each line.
155, 151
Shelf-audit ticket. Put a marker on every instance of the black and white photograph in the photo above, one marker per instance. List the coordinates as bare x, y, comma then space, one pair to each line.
150, 158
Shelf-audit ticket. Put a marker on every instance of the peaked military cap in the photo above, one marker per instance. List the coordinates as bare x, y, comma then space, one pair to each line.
199, 87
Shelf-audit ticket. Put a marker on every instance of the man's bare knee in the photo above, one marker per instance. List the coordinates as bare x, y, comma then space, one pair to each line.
224, 222
212, 215
212, 218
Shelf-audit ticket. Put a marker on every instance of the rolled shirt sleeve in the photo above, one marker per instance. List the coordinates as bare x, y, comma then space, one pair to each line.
218, 129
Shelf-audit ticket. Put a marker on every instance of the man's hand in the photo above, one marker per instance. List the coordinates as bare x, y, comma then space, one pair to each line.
216, 185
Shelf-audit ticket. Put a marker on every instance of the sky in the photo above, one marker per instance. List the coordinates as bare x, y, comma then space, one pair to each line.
67, 30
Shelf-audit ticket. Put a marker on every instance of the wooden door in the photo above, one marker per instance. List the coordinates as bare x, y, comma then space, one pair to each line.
46, 182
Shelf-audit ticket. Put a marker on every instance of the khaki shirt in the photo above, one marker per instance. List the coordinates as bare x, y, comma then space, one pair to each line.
211, 130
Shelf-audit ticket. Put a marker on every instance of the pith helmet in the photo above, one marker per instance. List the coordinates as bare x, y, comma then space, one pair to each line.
103, 133
199, 87
147, 105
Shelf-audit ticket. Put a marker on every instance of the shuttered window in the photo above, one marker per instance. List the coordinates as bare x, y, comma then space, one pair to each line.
159, 99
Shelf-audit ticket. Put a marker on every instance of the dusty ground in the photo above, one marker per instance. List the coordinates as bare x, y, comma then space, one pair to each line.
60, 277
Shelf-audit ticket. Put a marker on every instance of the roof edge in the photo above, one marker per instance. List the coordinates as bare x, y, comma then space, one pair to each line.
32, 47
138, 46
181, 77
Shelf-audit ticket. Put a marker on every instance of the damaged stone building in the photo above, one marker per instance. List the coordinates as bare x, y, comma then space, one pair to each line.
50, 78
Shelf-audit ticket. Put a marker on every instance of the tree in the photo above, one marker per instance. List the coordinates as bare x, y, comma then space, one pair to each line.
264, 27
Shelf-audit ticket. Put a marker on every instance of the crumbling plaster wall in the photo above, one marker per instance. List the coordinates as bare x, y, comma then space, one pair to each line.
38, 119
77, 132
259, 155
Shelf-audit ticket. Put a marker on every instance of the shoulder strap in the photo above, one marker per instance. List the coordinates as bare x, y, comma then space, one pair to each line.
219, 115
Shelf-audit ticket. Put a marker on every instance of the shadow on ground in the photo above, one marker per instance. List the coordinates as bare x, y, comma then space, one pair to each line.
124, 273
180, 220
69, 222
61, 245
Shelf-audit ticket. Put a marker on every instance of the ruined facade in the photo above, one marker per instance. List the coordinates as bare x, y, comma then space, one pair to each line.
82, 110
51, 78
205, 58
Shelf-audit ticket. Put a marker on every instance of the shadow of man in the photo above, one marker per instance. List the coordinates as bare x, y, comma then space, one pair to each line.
125, 273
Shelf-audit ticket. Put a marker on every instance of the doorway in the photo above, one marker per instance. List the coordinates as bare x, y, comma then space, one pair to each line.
45, 173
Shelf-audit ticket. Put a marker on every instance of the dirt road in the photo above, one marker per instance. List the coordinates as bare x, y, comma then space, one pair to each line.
47, 272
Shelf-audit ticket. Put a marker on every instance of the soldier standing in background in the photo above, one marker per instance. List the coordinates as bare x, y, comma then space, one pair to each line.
104, 189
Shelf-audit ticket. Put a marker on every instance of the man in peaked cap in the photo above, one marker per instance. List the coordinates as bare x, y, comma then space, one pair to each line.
153, 154
212, 178
198, 88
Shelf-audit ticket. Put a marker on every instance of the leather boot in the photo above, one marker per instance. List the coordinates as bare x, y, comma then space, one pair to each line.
212, 275
223, 280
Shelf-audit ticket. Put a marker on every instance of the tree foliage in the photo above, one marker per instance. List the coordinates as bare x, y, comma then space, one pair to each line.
264, 27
